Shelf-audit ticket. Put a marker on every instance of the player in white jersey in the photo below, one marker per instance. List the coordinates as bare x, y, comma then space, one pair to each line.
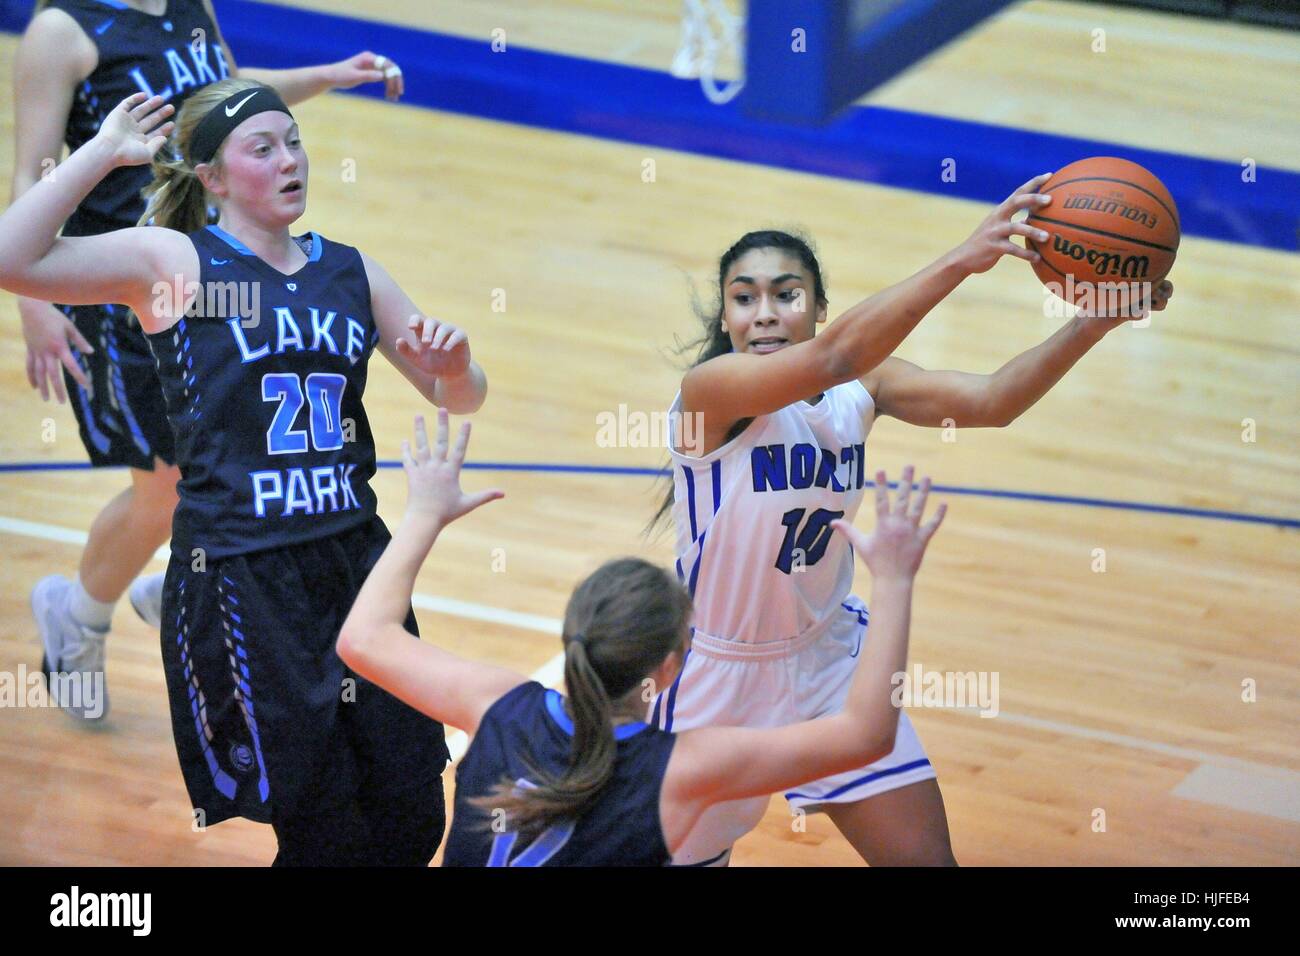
777, 419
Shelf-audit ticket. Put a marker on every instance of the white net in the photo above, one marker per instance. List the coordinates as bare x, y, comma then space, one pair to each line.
712, 35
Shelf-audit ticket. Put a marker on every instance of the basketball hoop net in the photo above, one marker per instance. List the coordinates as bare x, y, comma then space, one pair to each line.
709, 29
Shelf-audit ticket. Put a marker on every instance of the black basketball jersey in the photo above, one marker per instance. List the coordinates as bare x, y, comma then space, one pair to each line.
263, 381
171, 55
622, 829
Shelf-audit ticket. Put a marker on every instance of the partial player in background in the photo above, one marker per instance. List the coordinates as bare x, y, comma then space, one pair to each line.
276, 527
784, 420
581, 780
75, 62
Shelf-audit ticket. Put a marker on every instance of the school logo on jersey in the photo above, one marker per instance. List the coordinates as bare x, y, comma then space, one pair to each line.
312, 329
192, 65
241, 757
803, 465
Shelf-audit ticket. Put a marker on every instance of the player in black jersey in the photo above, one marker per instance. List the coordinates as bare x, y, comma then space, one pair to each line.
75, 62
582, 781
261, 340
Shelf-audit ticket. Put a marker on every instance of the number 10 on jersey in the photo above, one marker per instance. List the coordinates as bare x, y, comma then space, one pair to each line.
805, 545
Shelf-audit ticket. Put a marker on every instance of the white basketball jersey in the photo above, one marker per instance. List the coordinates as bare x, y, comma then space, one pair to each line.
754, 542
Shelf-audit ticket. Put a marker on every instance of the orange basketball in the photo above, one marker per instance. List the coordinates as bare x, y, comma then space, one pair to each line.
1112, 223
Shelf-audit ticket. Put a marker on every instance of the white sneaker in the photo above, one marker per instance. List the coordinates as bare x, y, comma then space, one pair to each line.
146, 598
73, 660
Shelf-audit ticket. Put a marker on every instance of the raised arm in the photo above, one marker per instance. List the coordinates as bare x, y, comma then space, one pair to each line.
433, 356
302, 83
712, 765
119, 267
739, 385
935, 398
374, 641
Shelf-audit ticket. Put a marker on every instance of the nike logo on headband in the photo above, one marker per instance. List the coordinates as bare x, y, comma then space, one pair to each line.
232, 110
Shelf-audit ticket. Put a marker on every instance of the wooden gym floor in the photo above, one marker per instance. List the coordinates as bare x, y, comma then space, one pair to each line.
1121, 691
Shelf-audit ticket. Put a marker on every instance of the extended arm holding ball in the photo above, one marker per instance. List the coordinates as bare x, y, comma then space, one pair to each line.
965, 400
1113, 222
739, 385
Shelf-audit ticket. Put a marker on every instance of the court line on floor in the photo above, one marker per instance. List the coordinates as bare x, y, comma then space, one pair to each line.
1220, 781
636, 471
552, 672
1130, 742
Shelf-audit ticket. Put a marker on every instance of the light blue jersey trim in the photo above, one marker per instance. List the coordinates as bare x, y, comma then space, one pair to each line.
230, 240
317, 247
555, 707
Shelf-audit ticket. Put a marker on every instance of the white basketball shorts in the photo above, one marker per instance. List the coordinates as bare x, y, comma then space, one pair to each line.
735, 684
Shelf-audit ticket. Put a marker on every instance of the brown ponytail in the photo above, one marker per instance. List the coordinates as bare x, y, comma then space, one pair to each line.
620, 624
176, 198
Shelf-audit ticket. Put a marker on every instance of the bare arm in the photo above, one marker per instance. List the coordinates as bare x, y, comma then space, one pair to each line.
433, 356
122, 266
736, 386
374, 641
716, 764
713, 765
53, 56
739, 385
302, 83
922, 397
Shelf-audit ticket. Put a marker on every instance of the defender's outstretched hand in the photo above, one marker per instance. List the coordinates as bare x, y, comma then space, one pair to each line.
894, 548
433, 475
135, 130
368, 67
440, 348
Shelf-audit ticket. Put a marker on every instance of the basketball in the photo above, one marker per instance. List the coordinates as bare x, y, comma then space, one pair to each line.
1112, 223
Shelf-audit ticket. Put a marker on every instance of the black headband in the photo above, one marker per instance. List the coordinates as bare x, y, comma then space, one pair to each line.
226, 115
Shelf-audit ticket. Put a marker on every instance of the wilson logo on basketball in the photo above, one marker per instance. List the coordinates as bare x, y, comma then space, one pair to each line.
1110, 220
1104, 263
1113, 207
